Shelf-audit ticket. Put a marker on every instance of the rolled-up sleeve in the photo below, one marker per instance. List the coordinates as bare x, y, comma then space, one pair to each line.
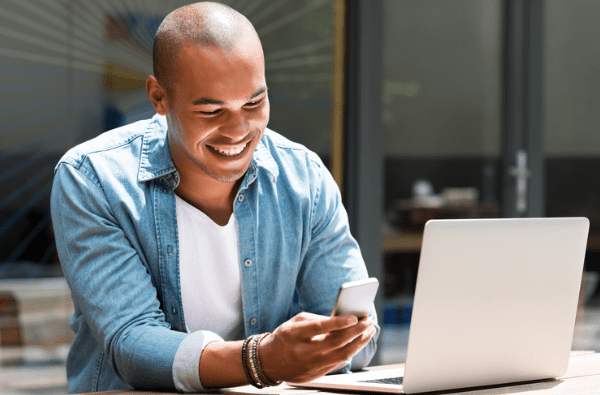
187, 361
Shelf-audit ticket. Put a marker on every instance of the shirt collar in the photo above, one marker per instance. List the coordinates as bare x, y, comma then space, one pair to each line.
262, 157
155, 160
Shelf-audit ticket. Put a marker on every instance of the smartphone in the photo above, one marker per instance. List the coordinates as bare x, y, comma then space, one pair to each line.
356, 297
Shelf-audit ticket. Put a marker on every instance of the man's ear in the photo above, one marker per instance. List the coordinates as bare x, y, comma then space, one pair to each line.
156, 94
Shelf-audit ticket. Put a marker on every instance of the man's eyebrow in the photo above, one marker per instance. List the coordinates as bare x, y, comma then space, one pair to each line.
206, 100
259, 92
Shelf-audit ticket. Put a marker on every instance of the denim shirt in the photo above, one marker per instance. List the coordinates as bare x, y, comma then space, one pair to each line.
114, 216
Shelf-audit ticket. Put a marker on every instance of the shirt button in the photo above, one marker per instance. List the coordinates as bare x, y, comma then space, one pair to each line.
240, 198
174, 310
248, 262
169, 250
253, 321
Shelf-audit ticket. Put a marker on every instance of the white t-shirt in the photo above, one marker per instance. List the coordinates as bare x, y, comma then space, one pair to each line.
209, 273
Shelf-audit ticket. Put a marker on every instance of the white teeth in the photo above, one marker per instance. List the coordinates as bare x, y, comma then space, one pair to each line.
230, 151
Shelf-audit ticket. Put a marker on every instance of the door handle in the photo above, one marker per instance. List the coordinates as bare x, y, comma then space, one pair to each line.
521, 172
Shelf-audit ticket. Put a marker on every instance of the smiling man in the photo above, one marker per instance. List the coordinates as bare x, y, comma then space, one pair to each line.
186, 238
213, 93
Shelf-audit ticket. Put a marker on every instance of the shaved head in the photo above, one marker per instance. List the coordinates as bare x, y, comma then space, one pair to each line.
204, 24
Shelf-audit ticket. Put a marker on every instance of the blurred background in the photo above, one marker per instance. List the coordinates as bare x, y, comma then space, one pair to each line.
421, 109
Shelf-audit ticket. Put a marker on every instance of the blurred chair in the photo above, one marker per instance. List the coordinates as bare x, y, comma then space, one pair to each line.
10, 330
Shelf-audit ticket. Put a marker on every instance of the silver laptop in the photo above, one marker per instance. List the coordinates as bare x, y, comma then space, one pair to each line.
495, 303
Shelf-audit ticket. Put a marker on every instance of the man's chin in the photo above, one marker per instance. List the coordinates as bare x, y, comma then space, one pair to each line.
230, 179
227, 177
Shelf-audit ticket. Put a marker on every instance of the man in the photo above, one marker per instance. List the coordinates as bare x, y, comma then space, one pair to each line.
181, 235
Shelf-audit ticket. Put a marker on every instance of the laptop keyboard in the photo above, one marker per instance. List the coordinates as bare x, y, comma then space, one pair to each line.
387, 380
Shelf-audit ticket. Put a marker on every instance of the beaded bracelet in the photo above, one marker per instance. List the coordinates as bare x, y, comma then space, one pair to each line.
245, 362
254, 367
254, 372
261, 374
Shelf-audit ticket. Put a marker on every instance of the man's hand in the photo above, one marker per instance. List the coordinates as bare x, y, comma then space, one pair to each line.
309, 346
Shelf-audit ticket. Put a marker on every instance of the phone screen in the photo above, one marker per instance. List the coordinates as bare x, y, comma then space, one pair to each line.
356, 298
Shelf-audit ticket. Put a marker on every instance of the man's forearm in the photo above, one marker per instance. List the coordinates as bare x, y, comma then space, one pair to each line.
221, 365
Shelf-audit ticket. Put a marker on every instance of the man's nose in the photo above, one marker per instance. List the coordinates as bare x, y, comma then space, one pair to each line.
236, 124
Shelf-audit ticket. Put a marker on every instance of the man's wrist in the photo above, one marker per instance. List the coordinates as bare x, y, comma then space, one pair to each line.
252, 363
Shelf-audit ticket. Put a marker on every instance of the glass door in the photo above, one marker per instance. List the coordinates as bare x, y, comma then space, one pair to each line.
571, 144
488, 110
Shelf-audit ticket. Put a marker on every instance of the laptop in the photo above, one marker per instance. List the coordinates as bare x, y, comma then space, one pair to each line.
495, 303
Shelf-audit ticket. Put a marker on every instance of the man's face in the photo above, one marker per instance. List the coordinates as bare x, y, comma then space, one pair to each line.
217, 109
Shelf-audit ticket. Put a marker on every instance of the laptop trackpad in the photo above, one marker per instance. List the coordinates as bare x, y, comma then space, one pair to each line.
388, 380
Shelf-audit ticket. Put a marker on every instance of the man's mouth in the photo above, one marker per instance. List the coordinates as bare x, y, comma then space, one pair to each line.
232, 150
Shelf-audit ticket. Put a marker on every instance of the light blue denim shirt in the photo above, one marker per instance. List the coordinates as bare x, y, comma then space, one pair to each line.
114, 216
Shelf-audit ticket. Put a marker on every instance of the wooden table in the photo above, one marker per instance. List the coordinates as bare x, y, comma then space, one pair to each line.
582, 377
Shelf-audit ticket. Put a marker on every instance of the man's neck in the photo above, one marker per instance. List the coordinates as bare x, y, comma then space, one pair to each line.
214, 198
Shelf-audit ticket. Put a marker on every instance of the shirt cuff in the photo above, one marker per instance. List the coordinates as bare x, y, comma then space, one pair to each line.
344, 367
187, 361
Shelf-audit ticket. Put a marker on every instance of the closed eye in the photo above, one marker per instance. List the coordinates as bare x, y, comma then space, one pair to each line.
255, 103
215, 112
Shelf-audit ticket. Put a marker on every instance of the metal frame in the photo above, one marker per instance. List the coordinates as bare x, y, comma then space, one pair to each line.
522, 110
363, 161
339, 90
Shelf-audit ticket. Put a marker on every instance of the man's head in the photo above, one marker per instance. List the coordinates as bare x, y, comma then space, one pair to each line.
204, 24
209, 82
